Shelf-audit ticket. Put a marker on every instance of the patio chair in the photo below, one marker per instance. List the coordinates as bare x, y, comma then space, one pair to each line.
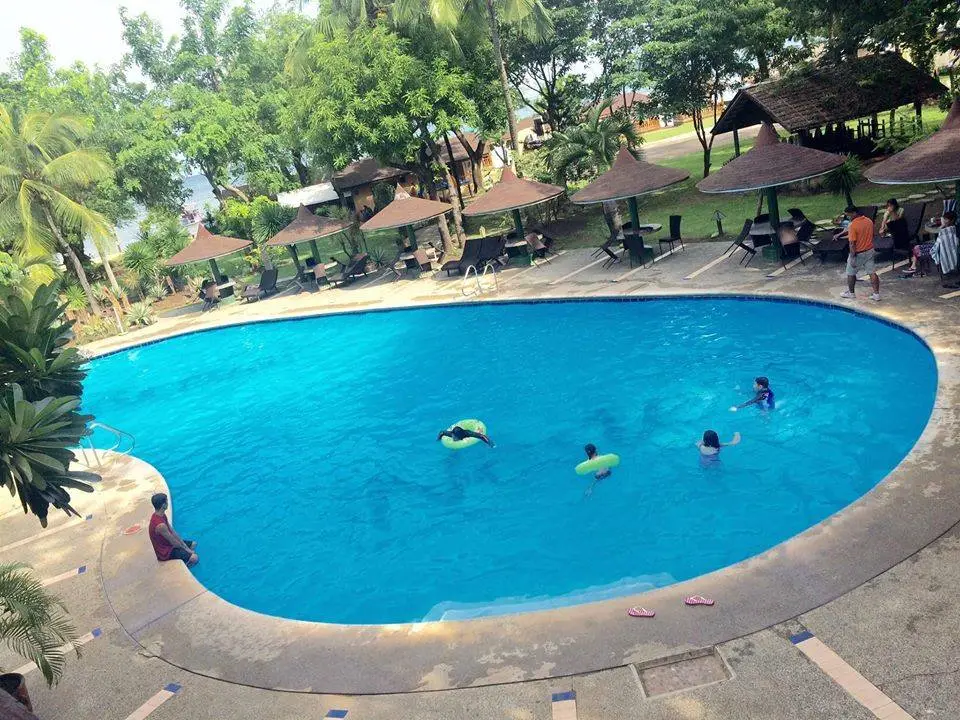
636, 249
612, 257
870, 212
793, 250
267, 286
913, 215
211, 296
419, 262
797, 216
674, 237
471, 256
320, 275
538, 248
898, 242
747, 243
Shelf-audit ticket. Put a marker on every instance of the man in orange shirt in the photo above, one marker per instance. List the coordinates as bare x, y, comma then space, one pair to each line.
860, 260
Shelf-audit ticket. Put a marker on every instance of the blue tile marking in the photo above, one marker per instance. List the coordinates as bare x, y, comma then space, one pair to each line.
561, 696
172, 687
81, 570
800, 637
96, 632
337, 714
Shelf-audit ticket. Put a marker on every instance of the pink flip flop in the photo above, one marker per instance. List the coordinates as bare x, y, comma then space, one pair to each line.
698, 600
639, 612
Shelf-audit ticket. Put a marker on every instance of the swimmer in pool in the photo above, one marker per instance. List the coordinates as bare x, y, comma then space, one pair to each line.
591, 450
459, 433
764, 397
710, 445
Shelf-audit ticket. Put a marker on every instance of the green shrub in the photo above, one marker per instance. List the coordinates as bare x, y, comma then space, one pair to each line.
140, 314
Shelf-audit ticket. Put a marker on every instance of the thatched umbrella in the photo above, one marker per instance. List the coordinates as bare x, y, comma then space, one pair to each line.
626, 179
512, 194
767, 165
207, 246
306, 227
405, 211
936, 159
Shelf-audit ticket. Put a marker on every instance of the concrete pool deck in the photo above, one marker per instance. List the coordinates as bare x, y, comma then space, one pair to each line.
782, 588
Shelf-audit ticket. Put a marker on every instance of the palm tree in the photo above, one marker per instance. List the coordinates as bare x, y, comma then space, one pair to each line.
34, 623
43, 169
589, 149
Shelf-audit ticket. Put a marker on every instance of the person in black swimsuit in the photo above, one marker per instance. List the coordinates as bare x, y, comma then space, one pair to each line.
459, 433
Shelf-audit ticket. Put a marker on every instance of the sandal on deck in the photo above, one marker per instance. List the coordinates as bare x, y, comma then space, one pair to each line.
699, 600
639, 612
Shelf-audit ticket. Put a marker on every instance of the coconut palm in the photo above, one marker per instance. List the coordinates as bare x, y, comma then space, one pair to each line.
34, 623
43, 169
585, 151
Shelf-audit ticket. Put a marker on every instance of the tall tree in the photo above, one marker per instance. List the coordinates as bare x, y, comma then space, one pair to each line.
694, 52
43, 172
544, 71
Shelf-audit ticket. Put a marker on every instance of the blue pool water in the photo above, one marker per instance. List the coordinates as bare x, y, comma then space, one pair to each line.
303, 455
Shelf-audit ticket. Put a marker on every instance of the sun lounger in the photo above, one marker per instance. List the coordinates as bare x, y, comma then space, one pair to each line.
492, 250
267, 286
470, 256
357, 267
537, 247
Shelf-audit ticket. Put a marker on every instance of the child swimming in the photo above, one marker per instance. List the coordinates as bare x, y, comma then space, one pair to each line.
459, 433
710, 445
591, 450
764, 397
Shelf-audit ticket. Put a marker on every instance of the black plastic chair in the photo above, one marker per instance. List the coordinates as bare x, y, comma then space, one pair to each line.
674, 238
635, 248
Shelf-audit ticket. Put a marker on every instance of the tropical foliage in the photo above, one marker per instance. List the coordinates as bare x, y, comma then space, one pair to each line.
34, 623
588, 149
39, 409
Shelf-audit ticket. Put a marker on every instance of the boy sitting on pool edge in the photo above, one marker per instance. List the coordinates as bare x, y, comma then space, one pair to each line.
764, 397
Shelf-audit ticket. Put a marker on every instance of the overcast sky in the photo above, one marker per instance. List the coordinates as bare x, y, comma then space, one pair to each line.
87, 30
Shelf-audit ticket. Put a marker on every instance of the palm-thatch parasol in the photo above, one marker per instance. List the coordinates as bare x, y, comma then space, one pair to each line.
511, 194
405, 211
936, 159
626, 179
767, 165
207, 246
303, 228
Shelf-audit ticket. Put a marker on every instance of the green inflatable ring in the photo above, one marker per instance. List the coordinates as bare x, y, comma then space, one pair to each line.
470, 424
600, 462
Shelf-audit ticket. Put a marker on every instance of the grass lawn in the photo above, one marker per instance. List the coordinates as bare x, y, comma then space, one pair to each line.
669, 132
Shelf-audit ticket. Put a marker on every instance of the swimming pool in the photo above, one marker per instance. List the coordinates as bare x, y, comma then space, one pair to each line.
303, 456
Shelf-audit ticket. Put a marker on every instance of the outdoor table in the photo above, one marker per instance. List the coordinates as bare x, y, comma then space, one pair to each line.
642, 229
226, 289
407, 256
931, 230
762, 228
518, 249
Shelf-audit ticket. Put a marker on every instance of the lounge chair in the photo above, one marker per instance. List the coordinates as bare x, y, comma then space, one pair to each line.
419, 262
492, 250
267, 286
470, 256
913, 214
674, 237
797, 216
357, 267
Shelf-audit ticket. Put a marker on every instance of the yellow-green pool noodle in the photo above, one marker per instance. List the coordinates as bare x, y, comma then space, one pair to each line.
600, 462
470, 424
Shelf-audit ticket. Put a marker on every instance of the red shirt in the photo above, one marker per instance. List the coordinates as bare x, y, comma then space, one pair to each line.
161, 546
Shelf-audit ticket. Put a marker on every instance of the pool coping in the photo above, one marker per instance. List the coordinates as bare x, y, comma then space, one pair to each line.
168, 612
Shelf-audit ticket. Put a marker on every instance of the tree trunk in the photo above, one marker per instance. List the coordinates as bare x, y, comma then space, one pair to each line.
611, 215
108, 269
456, 179
442, 221
75, 261
476, 159
504, 80
303, 172
763, 66
457, 217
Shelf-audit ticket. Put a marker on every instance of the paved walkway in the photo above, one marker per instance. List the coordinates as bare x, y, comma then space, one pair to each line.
890, 648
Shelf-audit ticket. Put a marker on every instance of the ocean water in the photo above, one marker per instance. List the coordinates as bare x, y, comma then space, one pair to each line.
302, 454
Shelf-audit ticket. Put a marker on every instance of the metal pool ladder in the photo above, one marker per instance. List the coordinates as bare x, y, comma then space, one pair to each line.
86, 444
479, 278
